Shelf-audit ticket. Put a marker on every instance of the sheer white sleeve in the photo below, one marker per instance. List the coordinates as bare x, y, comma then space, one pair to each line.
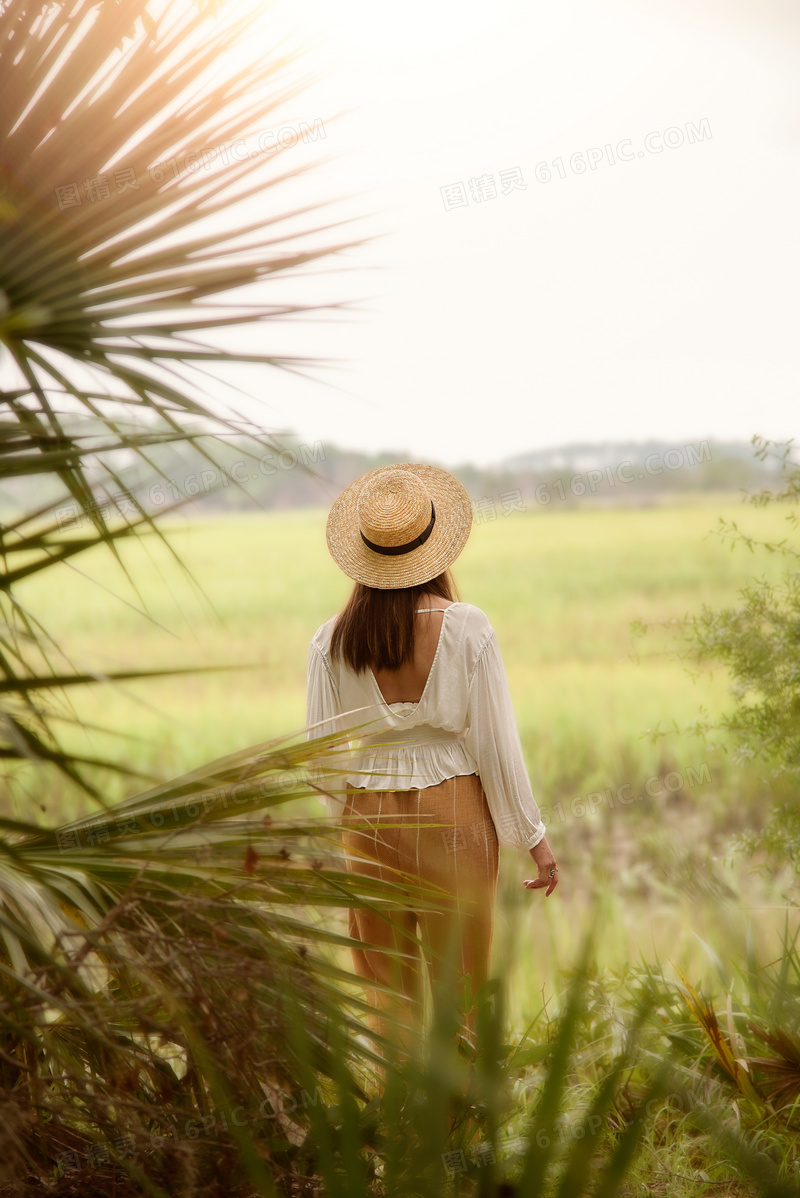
322, 711
494, 742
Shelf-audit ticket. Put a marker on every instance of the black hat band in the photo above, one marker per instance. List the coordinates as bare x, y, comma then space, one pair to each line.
395, 550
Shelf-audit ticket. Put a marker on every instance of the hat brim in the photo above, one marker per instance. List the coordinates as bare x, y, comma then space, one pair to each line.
450, 533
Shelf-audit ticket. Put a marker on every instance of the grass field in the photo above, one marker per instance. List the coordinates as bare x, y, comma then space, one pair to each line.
561, 589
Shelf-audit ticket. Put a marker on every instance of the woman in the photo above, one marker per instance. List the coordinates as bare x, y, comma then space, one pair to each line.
442, 748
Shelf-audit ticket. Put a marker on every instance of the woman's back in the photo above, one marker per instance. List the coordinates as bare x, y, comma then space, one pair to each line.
407, 684
433, 689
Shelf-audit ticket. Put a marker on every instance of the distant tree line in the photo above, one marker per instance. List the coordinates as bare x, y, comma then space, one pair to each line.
244, 476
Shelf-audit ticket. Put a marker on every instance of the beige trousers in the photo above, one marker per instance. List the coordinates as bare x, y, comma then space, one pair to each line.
460, 855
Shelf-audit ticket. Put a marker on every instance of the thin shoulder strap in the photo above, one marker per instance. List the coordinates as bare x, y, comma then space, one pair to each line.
429, 609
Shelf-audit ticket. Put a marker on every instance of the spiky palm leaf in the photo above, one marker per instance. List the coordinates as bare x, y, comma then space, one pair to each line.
732, 1065
189, 1012
121, 247
153, 960
784, 1067
109, 124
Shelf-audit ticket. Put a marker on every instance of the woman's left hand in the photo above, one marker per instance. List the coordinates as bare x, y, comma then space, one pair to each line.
548, 870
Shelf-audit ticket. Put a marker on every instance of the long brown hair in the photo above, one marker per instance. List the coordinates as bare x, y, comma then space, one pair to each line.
375, 629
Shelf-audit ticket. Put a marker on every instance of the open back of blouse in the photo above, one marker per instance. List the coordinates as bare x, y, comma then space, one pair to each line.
463, 723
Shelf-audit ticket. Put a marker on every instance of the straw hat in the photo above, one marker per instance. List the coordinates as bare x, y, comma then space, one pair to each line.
399, 526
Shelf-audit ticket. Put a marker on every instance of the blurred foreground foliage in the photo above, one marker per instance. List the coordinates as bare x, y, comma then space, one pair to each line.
757, 641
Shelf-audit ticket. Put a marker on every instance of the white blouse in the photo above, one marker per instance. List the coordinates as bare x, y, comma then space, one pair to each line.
463, 724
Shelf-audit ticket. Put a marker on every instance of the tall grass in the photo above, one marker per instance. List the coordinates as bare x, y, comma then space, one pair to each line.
188, 1031
174, 990
560, 588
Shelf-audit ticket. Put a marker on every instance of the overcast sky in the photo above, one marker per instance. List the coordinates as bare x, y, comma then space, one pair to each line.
653, 295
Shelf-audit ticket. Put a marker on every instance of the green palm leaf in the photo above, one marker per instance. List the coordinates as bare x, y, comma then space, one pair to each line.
119, 282
176, 953
124, 239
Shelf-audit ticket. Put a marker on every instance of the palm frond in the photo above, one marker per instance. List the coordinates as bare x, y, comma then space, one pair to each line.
105, 210
127, 234
783, 1067
731, 1064
148, 973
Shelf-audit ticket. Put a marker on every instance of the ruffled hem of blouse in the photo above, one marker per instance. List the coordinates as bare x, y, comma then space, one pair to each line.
421, 766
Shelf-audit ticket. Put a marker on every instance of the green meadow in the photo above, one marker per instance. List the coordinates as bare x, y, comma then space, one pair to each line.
561, 589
